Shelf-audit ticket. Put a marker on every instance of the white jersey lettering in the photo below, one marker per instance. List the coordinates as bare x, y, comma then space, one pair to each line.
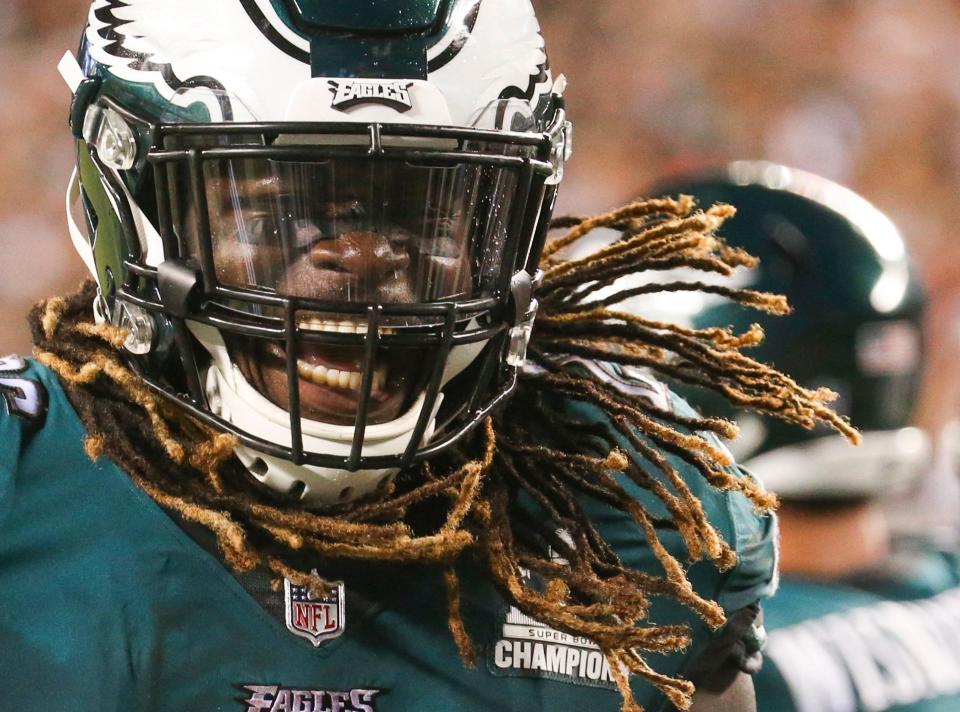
872, 658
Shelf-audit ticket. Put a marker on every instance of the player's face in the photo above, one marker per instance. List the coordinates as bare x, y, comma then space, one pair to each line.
354, 232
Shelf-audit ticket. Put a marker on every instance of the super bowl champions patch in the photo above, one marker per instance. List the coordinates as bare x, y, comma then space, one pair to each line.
25, 398
276, 698
529, 648
315, 618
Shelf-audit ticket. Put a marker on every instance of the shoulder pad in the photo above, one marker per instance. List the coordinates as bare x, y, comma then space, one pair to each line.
24, 397
630, 380
641, 383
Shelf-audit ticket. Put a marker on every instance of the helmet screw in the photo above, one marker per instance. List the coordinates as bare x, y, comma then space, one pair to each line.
112, 136
139, 324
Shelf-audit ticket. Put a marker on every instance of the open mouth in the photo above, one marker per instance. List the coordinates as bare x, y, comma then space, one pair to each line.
323, 368
331, 377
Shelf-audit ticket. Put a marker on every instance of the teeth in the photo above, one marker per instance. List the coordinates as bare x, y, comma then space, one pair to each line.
335, 327
339, 327
343, 380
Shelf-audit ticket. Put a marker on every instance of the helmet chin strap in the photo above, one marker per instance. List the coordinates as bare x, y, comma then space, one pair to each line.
888, 462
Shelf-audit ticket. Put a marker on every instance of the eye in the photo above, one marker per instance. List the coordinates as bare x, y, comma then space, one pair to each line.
305, 233
355, 211
398, 237
261, 229
442, 221
349, 210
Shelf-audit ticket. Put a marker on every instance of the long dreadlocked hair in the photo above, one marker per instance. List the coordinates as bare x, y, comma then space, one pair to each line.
190, 469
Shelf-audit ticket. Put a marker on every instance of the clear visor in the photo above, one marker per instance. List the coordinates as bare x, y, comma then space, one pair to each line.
351, 230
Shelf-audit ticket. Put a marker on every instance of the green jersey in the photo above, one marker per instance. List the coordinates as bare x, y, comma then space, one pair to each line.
840, 647
108, 602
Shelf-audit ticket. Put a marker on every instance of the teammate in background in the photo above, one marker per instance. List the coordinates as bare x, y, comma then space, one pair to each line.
863, 619
929, 511
297, 446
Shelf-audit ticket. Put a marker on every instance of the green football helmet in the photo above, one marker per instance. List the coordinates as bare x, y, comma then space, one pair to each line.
858, 306
321, 221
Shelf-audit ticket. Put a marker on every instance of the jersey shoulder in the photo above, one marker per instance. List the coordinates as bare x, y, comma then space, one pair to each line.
753, 537
24, 402
799, 600
38, 426
25, 395
805, 623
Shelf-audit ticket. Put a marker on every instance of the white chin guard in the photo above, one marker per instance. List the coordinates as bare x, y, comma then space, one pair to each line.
237, 402
232, 398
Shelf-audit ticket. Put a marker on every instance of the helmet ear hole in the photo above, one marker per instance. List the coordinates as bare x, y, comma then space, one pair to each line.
296, 492
346, 494
259, 468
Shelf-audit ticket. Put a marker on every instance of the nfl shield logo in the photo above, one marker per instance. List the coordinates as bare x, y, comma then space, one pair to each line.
316, 619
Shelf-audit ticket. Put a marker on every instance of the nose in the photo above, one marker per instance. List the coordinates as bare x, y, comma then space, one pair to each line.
367, 256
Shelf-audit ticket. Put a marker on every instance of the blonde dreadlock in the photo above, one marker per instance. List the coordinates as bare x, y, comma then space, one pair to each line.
189, 468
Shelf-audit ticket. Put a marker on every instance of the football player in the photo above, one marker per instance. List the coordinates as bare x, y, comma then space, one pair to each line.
863, 619
296, 445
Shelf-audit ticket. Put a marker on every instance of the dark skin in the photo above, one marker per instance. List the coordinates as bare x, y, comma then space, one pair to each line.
334, 254
739, 697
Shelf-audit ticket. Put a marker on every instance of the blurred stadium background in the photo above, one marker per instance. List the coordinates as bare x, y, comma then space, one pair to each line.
865, 92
